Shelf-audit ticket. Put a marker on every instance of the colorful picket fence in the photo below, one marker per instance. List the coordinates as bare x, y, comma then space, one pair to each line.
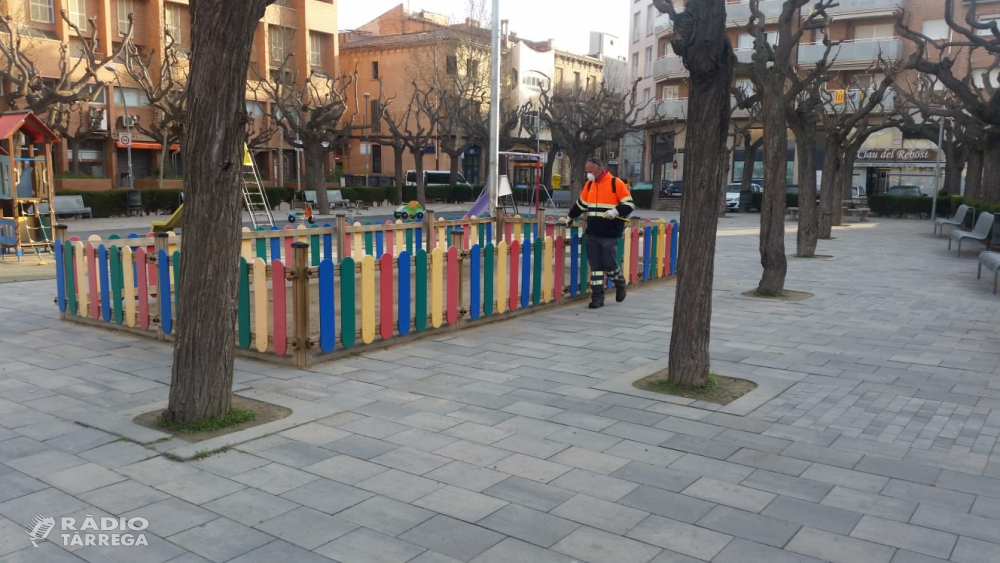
307, 294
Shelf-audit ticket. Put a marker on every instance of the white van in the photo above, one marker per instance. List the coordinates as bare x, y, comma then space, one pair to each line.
434, 178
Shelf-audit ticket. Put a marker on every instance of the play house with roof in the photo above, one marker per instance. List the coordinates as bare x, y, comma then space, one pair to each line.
26, 211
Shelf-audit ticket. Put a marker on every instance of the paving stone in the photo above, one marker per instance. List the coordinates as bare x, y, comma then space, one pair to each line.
701, 446
16, 484
660, 477
385, 515
466, 476
327, 496
200, 487
689, 427
366, 546
530, 445
905, 470
423, 440
530, 468
728, 494
275, 478
638, 433
50, 502
598, 513
229, 463
845, 477
838, 549
645, 453
584, 438
158, 550
452, 537
797, 435
220, 540
306, 527
400, 486
470, 452
345, 469
119, 454
905, 536
296, 454
45, 463
460, 503
511, 550
780, 484
361, 447
374, 427
590, 460
747, 525
984, 506
958, 523
171, 516
279, 551
819, 516
529, 493
596, 546
122, 496
479, 433
771, 462
529, 525
680, 537
930, 495
315, 434
869, 503
752, 441
743, 551
411, 460
903, 556
250, 506
969, 550
708, 467
600, 486
966, 483
667, 504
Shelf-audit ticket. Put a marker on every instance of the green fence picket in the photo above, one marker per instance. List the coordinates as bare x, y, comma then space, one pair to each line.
347, 303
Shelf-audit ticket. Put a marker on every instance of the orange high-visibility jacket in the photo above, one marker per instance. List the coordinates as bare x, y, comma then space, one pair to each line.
597, 197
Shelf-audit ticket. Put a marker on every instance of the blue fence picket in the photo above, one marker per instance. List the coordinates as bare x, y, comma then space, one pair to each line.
327, 244
404, 299
673, 249
327, 307
525, 275
166, 314
647, 252
102, 264
418, 240
379, 243
275, 246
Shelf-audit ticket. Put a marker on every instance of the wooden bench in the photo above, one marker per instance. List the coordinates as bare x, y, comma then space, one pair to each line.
859, 213
793, 213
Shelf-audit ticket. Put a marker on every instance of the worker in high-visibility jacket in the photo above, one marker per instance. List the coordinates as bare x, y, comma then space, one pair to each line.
606, 202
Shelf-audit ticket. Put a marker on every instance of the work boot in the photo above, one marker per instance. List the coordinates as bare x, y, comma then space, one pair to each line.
620, 291
596, 303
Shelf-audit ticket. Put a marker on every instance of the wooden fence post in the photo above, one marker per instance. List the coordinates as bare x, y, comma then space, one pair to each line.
541, 224
498, 227
339, 238
429, 230
300, 300
457, 241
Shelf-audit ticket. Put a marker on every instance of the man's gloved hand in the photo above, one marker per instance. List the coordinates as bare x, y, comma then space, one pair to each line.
611, 213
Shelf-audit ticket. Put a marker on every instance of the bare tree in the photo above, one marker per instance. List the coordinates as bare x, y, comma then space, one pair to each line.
164, 82
582, 120
743, 136
315, 114
202, 373
700, 39
414, 130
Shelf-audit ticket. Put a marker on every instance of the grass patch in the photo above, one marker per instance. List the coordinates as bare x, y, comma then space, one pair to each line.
235, 416
202, 454
716, 389
786, 295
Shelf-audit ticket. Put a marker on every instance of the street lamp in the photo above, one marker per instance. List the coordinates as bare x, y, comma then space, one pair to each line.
128, 123
368, 148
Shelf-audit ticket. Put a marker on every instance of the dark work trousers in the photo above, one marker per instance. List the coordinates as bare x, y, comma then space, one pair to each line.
602, 256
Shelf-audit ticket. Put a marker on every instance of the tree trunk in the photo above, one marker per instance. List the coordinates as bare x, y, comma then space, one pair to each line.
315, 179
828, 185
453, 157
578, 169
804, 127
846, 177
418, 159
991, 171
397, 162
709, 56
772, 213
956, 154
974, 174
164, 150
202, 373
845, 167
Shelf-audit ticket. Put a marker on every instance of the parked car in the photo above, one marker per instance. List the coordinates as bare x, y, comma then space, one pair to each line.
733, 195
905, 190
858, 195
434, 178
641, 186
672, 189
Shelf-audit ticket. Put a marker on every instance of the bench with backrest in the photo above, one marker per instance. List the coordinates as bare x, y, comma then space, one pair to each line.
980, 232
992, 261
71, 205
958, 219
335, 198
793, 213
562, 198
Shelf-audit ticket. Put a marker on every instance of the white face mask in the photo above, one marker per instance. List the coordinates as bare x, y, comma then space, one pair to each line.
591, 177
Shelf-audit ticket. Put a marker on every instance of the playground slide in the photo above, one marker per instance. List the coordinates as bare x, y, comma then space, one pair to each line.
170, 224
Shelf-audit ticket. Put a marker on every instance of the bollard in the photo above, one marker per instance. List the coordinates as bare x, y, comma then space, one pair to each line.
300, 300
457, 237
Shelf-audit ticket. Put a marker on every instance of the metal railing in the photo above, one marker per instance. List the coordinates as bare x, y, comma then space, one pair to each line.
853, 52
668, 66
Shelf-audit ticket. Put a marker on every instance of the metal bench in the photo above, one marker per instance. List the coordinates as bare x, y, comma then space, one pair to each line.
334, 197
992, 261
561, 198
71, 205
958, 219
980, 232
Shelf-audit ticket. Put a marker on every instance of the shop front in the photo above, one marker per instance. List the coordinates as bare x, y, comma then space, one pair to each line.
878, 169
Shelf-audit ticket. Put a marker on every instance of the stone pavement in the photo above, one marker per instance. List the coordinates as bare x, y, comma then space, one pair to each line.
498, 444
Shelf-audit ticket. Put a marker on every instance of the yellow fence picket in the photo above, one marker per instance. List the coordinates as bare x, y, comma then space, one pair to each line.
661, 248
627, 255
82, 299
368, 299
437, 285
358, 246
441, 237
129, 283
400, 244
547, 270
260, 307
501, 283
302, 236
246, 246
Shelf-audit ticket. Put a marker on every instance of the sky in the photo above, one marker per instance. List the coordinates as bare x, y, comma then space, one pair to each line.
569, 23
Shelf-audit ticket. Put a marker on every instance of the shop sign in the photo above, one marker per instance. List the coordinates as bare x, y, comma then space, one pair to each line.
897, 155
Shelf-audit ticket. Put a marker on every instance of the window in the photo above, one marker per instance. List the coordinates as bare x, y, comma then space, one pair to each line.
874, 31
745, 42
635, 27
41, 11
645, 96
650, 16
172, 21
987, 21
376, 159
980, 78
78, 13
125, 8
635, 67
648, 70
376, 116
133, 97
935, 29
669, 92
472, 68
280, 40
535, 81
315, 49
374, 70
576, 75
99, 93
745, 85
559, 77
254, 109
451, 64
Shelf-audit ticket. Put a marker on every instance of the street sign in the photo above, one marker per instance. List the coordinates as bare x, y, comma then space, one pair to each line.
124, 139
675, 165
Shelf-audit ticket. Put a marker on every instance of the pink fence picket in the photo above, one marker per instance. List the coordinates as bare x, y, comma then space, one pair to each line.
385, 294
452, 303
142, 288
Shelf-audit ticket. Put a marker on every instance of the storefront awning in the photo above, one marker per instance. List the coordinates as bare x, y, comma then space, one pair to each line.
148, 145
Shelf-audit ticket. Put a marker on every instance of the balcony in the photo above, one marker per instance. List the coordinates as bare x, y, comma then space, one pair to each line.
662, 24
853, 99
739, 14
848, 9
668, 67
667, 109
859, 53
744, 55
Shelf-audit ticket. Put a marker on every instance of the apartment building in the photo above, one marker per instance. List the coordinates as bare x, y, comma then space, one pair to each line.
302, 29
866, 31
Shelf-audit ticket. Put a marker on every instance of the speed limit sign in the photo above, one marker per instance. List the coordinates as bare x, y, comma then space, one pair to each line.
124, 139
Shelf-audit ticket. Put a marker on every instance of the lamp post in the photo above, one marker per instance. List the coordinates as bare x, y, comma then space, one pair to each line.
368, 147
128, 124
937, 170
